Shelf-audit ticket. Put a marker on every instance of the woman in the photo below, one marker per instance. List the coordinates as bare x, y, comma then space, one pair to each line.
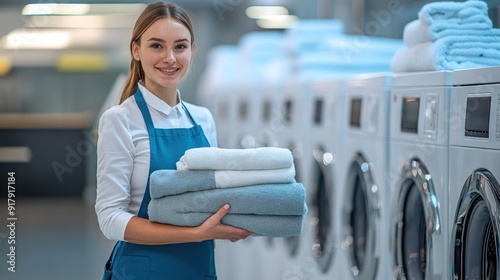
150, 130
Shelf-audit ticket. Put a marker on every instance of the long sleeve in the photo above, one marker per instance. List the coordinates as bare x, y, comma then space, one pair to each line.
115, 151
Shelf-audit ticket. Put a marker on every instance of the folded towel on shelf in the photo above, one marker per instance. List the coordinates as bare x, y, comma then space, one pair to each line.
170, 182
462, 12
450, 53
266, 199
360, 44
235, 159
418, 31
260, 225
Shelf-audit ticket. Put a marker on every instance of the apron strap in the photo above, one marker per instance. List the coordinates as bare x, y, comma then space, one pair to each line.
189, 114
139, 99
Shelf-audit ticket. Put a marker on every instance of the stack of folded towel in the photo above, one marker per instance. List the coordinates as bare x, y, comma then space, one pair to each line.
449, 36
258, 183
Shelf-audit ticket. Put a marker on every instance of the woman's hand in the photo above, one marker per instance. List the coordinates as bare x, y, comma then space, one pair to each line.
212, 228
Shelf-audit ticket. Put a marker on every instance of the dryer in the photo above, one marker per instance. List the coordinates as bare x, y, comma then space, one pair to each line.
475, 174
418, 175
322, 155
365, 203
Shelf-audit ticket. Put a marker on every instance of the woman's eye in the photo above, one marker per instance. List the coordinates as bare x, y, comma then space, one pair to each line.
156, 46
181, 47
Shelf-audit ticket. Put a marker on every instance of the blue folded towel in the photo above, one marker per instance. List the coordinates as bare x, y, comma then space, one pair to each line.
260, 225
170, 182
450, 53
462, 12
418, 32
268, 210
439, 19
266, 199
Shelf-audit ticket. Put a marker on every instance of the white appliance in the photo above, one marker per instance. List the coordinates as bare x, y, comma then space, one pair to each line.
224, 110
271, 255
323, 156
287, 121
266, 71
365, 203
418, 175
475, 174
219, 88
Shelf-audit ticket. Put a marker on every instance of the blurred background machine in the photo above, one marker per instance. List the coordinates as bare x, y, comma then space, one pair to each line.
385, 157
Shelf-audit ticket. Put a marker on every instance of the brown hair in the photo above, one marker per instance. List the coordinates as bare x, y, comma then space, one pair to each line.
151, 14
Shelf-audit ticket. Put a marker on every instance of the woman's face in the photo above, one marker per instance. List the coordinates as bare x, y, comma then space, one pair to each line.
165, 53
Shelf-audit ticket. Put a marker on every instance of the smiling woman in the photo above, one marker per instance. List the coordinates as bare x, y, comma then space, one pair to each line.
150, 130
164, 51
156, 33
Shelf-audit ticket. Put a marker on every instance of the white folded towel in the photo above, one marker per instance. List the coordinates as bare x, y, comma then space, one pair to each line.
235, 159
240, 178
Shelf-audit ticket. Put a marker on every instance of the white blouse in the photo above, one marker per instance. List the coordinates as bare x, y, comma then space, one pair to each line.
123, 155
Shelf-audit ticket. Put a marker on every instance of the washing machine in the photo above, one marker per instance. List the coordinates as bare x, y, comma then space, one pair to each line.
219, 88
272, 254
322, 156
288, 121
475, 174
366, 207
418, 175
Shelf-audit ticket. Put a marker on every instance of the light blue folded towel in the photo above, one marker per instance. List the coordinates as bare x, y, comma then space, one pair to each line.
266, 199
260, 225
439, 19
235, 159
450, 53
462, 12
417, 31
170, 182
267, 210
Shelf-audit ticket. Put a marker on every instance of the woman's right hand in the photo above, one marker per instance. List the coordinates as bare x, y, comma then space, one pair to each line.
212, 228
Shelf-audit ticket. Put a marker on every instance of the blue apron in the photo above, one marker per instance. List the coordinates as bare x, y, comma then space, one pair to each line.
185, 261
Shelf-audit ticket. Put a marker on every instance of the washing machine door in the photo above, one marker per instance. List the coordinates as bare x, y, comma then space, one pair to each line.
362, 219
415, 220
322, 206
475, 237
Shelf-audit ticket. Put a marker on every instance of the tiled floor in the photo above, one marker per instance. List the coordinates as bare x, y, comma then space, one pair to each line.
56, 239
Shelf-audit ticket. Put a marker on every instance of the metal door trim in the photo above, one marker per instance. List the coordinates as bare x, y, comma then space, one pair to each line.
323, 253
414, 172
362, 169
481, 185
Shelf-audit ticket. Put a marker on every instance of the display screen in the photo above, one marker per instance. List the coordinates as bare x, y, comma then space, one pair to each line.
409, 114
355, 117
318, 111
243, 110
477, 117
266, 111
288, 110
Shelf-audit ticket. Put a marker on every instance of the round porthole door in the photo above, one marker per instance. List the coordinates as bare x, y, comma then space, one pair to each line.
362, 219
476, 229
415, 220
323, 186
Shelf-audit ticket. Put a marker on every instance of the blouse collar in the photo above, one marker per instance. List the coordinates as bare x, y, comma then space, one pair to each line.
158, 104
